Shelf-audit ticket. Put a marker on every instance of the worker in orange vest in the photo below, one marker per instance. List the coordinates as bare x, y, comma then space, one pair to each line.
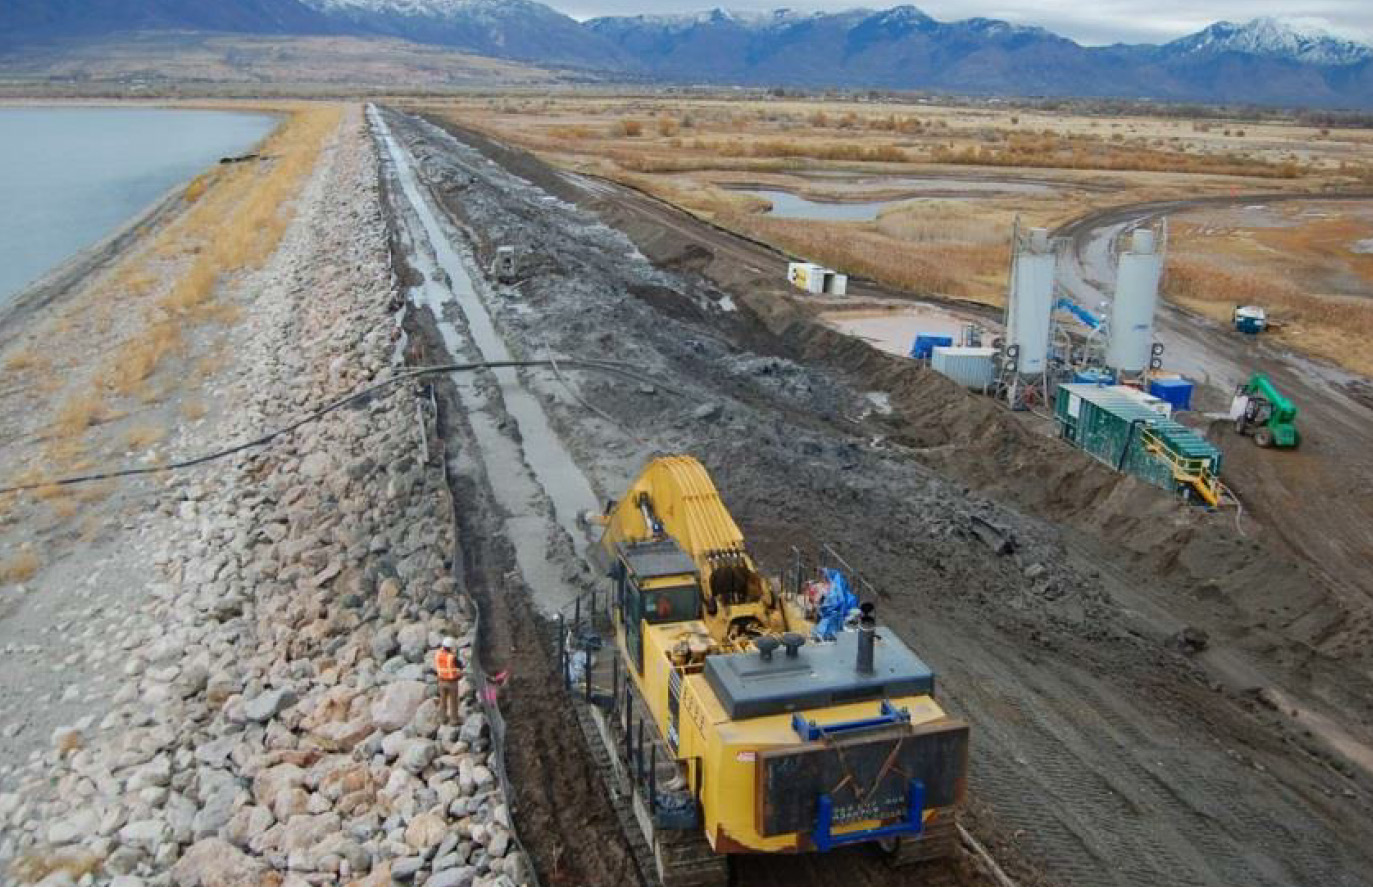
450, 672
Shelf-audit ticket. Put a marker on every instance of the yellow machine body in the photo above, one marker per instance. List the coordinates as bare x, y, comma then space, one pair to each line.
690, 601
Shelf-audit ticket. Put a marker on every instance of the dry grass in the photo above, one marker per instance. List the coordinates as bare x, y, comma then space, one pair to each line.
684, 150
141, 437
139, 358
239, 215
78, 413
19, 568
1338, 329
24, 360
1049, 151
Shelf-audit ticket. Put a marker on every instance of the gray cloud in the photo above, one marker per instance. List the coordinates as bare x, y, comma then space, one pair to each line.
1097, 22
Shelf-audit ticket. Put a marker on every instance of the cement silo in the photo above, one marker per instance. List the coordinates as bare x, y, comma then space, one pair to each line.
1031, 303
1131, 344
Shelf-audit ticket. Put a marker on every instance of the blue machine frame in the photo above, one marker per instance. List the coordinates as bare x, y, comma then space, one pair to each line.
822, 834
811, 731
914, 823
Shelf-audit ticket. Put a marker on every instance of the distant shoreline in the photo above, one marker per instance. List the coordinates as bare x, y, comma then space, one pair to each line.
82, 265
78, 268
106, 251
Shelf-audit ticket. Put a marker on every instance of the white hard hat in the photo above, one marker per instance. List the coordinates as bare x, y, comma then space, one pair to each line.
449, 643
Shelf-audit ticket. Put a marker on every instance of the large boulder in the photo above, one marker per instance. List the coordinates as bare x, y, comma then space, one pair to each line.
413, 640
462, 876
304, 832
397, 704
217, 863
267, 705
145, 834
417, 754
342, 735
247, 824
75, 828
272, 785
154, 774
425, 831
344, 780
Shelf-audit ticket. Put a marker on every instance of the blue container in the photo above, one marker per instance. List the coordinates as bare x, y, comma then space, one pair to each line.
1094, 377
925, 343
1177, 392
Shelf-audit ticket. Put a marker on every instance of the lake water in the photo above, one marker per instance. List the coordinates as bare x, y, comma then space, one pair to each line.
71, 176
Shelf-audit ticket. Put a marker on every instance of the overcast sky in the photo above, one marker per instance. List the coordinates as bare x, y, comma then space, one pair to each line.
1086, 21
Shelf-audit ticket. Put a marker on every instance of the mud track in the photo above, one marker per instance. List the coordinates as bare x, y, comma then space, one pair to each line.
1103, 754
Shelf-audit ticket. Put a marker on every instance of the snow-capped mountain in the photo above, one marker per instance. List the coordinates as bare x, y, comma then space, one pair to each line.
1273, 38
1265, 61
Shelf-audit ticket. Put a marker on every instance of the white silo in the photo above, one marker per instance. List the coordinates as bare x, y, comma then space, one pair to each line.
1132, 314
1031, 302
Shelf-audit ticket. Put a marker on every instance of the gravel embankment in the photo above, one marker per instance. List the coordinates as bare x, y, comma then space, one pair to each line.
272, 719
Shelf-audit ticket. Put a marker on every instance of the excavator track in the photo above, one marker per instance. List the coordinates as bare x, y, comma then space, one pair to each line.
669, 858
939, 841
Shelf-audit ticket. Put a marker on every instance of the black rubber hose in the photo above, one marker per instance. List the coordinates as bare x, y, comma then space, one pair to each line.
605, 366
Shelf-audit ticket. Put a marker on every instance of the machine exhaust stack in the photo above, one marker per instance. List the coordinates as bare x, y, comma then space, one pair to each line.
867, 635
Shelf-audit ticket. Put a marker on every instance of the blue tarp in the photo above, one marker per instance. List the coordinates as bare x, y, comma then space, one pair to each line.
834, 607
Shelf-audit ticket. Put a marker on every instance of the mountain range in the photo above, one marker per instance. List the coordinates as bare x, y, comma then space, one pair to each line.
1266, 61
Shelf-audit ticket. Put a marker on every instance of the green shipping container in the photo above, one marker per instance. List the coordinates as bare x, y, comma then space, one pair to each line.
1108, 425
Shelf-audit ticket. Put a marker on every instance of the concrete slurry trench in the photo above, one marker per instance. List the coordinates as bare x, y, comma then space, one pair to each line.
536, 472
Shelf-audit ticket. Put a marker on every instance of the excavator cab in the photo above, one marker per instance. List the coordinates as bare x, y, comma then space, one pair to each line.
655, 583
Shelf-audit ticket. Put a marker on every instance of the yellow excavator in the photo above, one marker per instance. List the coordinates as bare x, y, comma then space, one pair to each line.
749, 715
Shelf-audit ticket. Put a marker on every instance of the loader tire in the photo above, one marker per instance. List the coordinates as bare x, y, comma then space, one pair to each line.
1263, 437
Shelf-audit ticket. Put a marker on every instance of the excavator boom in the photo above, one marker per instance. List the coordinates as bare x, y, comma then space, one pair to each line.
675, 503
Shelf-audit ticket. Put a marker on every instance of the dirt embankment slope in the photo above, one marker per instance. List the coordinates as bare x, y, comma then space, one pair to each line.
1105, 753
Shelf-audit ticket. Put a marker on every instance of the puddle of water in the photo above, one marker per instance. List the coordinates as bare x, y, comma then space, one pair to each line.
786, 205
447, 285
895, 331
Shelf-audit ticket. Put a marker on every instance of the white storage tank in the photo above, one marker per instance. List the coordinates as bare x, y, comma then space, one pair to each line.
1131, 344
969, 367
1032, 302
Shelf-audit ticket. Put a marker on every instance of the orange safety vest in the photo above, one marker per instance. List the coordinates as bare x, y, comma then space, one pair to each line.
446, 664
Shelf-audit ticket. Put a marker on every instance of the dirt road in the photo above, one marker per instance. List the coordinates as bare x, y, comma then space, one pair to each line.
1103, 753
1317, 501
